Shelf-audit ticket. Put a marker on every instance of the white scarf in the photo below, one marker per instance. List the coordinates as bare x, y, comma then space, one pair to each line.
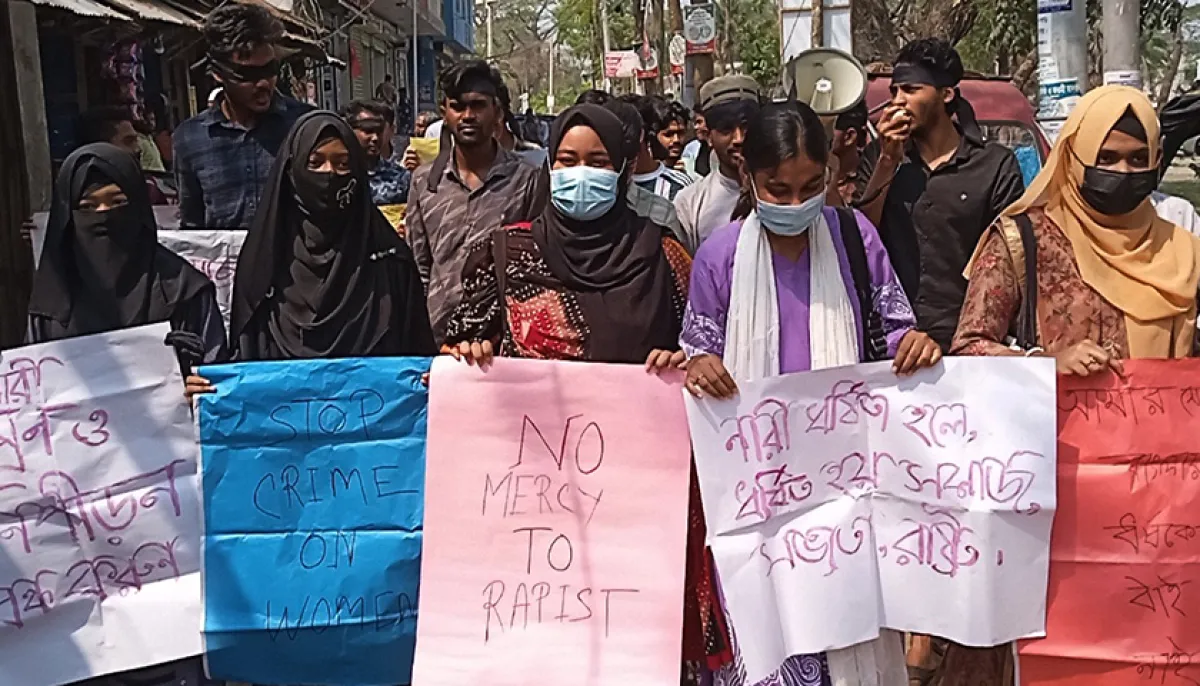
752, 353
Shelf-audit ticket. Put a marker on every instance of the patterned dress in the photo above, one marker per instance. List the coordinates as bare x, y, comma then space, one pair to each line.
704, 332
543, 319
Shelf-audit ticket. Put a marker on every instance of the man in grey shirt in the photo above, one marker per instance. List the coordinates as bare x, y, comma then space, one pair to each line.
474, 187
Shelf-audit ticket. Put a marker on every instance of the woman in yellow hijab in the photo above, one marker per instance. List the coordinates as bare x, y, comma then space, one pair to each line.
1113, 281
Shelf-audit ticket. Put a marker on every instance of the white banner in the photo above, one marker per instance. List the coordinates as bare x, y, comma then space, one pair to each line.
848, 500
99, 509
214, 253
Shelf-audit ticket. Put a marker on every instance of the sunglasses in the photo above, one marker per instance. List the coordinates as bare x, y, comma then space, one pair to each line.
242, 73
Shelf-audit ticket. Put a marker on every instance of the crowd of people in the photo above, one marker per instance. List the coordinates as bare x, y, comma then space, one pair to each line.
745, 240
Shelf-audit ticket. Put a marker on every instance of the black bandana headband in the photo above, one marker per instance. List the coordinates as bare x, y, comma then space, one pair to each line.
921, 75
242, 73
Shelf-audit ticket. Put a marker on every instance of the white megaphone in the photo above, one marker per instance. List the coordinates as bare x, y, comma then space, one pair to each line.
828, 80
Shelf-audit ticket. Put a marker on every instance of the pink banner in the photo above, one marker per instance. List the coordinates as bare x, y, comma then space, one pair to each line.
555, 526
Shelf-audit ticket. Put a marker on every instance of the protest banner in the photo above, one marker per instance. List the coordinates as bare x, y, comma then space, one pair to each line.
214, 254
846, 501
557, 503
1125, 557
313, 475
99, 509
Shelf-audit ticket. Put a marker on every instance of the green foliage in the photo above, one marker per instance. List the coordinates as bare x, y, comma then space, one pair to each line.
578, 25
1003, 34
754, 38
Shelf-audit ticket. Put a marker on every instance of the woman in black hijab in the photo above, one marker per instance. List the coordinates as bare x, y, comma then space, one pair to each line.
589, 279
102, 268
322, 273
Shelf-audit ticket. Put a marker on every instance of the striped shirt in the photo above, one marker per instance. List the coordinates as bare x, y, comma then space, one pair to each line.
663, 182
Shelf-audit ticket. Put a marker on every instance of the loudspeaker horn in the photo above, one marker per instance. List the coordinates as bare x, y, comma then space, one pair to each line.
829, 80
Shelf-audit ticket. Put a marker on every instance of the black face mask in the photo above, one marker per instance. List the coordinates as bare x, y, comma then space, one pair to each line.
1116, 193
325, 195
118, 225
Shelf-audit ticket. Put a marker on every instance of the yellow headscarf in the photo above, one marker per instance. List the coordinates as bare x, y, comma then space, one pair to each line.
1145, 266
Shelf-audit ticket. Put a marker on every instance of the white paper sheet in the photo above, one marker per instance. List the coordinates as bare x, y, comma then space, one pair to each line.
848, 500
99, 509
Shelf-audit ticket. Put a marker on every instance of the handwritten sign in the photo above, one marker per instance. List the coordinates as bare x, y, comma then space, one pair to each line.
99, 511
1124, 599
882, 502
313, 476
556, 526
214, 254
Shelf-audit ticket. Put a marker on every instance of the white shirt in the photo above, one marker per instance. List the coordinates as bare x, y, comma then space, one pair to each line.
706, 206
434, 130
692, 150
1177, 211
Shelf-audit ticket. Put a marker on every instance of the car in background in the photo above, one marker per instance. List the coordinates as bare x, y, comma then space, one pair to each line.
1002, 110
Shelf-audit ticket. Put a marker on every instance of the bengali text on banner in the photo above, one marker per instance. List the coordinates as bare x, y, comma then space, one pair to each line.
313, 478
846, 501
99, 509
1124, 597
556, 522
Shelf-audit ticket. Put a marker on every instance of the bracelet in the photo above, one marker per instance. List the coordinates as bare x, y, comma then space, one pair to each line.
1036, 350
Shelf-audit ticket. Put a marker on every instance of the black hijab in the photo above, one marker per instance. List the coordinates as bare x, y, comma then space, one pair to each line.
322, 273
616, 263
103, 271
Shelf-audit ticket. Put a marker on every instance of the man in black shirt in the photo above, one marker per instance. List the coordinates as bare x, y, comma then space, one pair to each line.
932, 186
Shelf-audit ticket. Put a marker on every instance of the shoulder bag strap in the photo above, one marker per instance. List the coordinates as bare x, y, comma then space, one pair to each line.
1027, 319
874, 341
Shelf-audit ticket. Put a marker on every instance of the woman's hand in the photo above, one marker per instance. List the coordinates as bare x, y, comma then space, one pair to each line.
474, 352
706, 375
1085, 359
659, 360
917, 351
195, 385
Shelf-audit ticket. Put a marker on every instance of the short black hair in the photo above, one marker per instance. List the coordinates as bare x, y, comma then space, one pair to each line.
679, 113
631, 125
932, 53
505, 98
853, 118
387, 77
356, 107
237, 29
593, 97
461, 78
654, 110
99, 124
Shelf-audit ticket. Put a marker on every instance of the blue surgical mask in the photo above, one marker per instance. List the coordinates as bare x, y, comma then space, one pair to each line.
584, 193
790, 220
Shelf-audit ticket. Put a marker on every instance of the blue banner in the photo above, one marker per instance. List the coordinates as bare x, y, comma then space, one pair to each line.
313, 475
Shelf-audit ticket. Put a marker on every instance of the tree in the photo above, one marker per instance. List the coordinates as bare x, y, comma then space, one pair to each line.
578, 25
749, 34
882, 27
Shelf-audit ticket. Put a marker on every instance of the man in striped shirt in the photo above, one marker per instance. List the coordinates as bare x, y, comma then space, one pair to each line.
649, 171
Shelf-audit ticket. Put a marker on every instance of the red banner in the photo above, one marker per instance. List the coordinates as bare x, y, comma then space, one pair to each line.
1124, 593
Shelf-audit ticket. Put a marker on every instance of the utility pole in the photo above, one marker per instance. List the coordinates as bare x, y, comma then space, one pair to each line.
607, 44
550, 95
416, 58
657, 40
490, 45
1122, 53
1062, 60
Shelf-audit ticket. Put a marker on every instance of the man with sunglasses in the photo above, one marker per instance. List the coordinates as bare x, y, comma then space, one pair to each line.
371, 121
728, 103
223, 155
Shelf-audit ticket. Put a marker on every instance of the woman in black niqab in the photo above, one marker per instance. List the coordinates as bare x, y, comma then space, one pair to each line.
102, 268
322, 273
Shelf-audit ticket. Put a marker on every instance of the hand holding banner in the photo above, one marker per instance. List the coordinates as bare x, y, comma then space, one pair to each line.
556, 526
849, 500
313, 481
99, 512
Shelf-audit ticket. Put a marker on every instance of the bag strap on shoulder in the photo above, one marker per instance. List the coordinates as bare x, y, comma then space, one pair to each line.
1022, 249
874, 342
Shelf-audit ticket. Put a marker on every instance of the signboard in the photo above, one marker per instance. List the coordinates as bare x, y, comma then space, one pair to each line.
647, 63
678, 48
1132, 79
1057, 98
313, 478
99, 509
1124, 592
555, 527
621, 64
881, 501
700, 29
1051, 6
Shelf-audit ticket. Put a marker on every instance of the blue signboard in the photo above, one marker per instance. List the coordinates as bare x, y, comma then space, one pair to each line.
313, 478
